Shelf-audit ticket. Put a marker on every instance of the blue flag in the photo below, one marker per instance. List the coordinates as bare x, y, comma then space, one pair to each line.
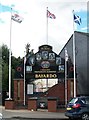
77, 19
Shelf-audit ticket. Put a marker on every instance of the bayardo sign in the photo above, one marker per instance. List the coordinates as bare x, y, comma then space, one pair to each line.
40, 76
44, 64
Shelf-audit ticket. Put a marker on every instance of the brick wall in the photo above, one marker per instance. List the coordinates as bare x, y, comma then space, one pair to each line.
57, 90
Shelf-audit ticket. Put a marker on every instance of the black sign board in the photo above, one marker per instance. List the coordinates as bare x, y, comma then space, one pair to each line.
44, 64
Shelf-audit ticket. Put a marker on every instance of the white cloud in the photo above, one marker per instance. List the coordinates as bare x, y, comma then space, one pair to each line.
33, 27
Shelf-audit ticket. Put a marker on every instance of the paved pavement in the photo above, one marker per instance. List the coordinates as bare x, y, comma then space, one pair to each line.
31, 115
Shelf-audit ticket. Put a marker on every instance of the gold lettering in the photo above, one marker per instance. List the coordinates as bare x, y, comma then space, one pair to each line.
36, 75
51, 76
55, 76
45, 76
40, 75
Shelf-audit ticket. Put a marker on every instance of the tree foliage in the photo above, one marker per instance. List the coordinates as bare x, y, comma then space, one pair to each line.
5, 67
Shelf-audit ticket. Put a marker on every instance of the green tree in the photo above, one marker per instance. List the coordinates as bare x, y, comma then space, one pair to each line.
5, 59
5, 67
5, 53
4, 76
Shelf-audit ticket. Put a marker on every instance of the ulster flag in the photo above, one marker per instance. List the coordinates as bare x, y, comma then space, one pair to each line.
17, 18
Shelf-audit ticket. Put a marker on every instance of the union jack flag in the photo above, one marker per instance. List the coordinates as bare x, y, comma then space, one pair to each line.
50, 15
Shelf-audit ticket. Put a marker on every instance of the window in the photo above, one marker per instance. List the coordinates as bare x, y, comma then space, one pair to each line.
74, 100
87, 100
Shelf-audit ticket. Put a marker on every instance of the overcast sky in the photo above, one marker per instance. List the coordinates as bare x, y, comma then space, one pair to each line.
33, 29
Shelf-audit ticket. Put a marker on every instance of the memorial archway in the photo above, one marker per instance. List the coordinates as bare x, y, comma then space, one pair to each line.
43, 65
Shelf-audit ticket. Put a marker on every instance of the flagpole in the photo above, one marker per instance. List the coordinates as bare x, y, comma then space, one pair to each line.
10, 57
24, 79
47, 25
66, 76
74, 57
47, 43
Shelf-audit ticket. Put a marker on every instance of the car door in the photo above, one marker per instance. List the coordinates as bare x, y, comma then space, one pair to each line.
87, 103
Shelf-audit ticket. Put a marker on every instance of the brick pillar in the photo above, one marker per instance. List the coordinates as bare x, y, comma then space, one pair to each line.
18, 90
52, 104
32, 104
70, 86
9, 104
22, 89
15, 90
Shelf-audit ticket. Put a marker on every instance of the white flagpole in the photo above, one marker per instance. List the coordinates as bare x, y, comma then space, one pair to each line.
47, 43
47, 24
74, 57
66, 58
10, 58
24, 79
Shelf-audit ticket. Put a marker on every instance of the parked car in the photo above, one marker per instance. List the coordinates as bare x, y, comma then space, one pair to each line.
78, 108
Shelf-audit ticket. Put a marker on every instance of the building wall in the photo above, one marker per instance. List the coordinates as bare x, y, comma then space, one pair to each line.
81, 63
82, 55
88, 63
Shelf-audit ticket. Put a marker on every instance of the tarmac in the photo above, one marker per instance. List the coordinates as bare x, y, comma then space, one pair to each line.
31, 115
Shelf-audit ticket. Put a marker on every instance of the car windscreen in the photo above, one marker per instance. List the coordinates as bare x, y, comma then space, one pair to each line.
74, 100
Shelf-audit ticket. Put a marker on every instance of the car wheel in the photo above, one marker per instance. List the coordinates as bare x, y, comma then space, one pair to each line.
85, 116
